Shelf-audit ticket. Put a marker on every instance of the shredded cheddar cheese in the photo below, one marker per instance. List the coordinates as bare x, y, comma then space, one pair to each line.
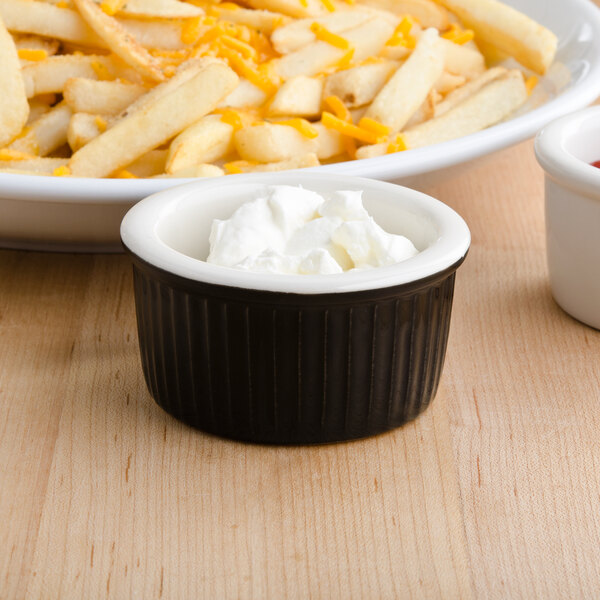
62, 171
233, 118
457, 35
125, 174
402, 36
238, 119
101, 71
349, 146
345, 128
531, 83
301, 125
464, 37
328, 4
375, 126
100, 124
340, 110
259, 75
237, 166
8, 154
398, 144
345, 60
111, 7
245, 49
191, 30
33, 55
324, 35
405, 26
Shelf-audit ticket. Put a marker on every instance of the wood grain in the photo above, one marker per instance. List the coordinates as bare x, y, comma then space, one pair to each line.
493, 493
525, 430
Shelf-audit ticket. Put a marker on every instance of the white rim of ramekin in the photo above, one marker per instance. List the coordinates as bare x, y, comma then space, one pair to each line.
140, 236
558, 162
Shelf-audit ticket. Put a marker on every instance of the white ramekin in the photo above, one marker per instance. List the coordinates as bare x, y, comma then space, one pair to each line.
170, 230
565, 149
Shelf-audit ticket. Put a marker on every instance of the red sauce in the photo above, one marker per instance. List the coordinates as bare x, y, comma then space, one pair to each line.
596, 164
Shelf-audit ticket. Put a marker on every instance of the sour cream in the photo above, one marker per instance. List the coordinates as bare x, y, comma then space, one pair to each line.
293, 230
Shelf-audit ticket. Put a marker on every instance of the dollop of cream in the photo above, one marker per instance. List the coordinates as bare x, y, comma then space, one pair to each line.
293, 230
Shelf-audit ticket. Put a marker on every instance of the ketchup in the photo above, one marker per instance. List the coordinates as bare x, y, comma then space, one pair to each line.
596, 164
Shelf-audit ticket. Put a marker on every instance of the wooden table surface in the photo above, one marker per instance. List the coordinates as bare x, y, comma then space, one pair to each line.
493, 493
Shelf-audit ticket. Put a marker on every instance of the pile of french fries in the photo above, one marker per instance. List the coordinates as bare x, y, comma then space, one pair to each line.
197, 88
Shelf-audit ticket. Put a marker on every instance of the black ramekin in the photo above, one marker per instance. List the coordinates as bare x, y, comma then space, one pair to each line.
264, 359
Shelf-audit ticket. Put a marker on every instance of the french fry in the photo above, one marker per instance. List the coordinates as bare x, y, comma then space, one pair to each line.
196, 171
298, 33
37, 108
486, 107
402, 95
245, 94
148, 165
51, 75
206, 141
34, 166
155, 123
46, 133
291, 8
165, 35
426, 111
100, 97
122, 43
359, 85
464, 60
396, 53
428, 13
462, 93
300, 162
185, 72
509, 30
365, 40
271, 142
369, 38
308, 60
83, 128
329, 142
448, 83
492, 55
298, 97
159, 9
14, 108
33, 47
262, 20
42, 18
